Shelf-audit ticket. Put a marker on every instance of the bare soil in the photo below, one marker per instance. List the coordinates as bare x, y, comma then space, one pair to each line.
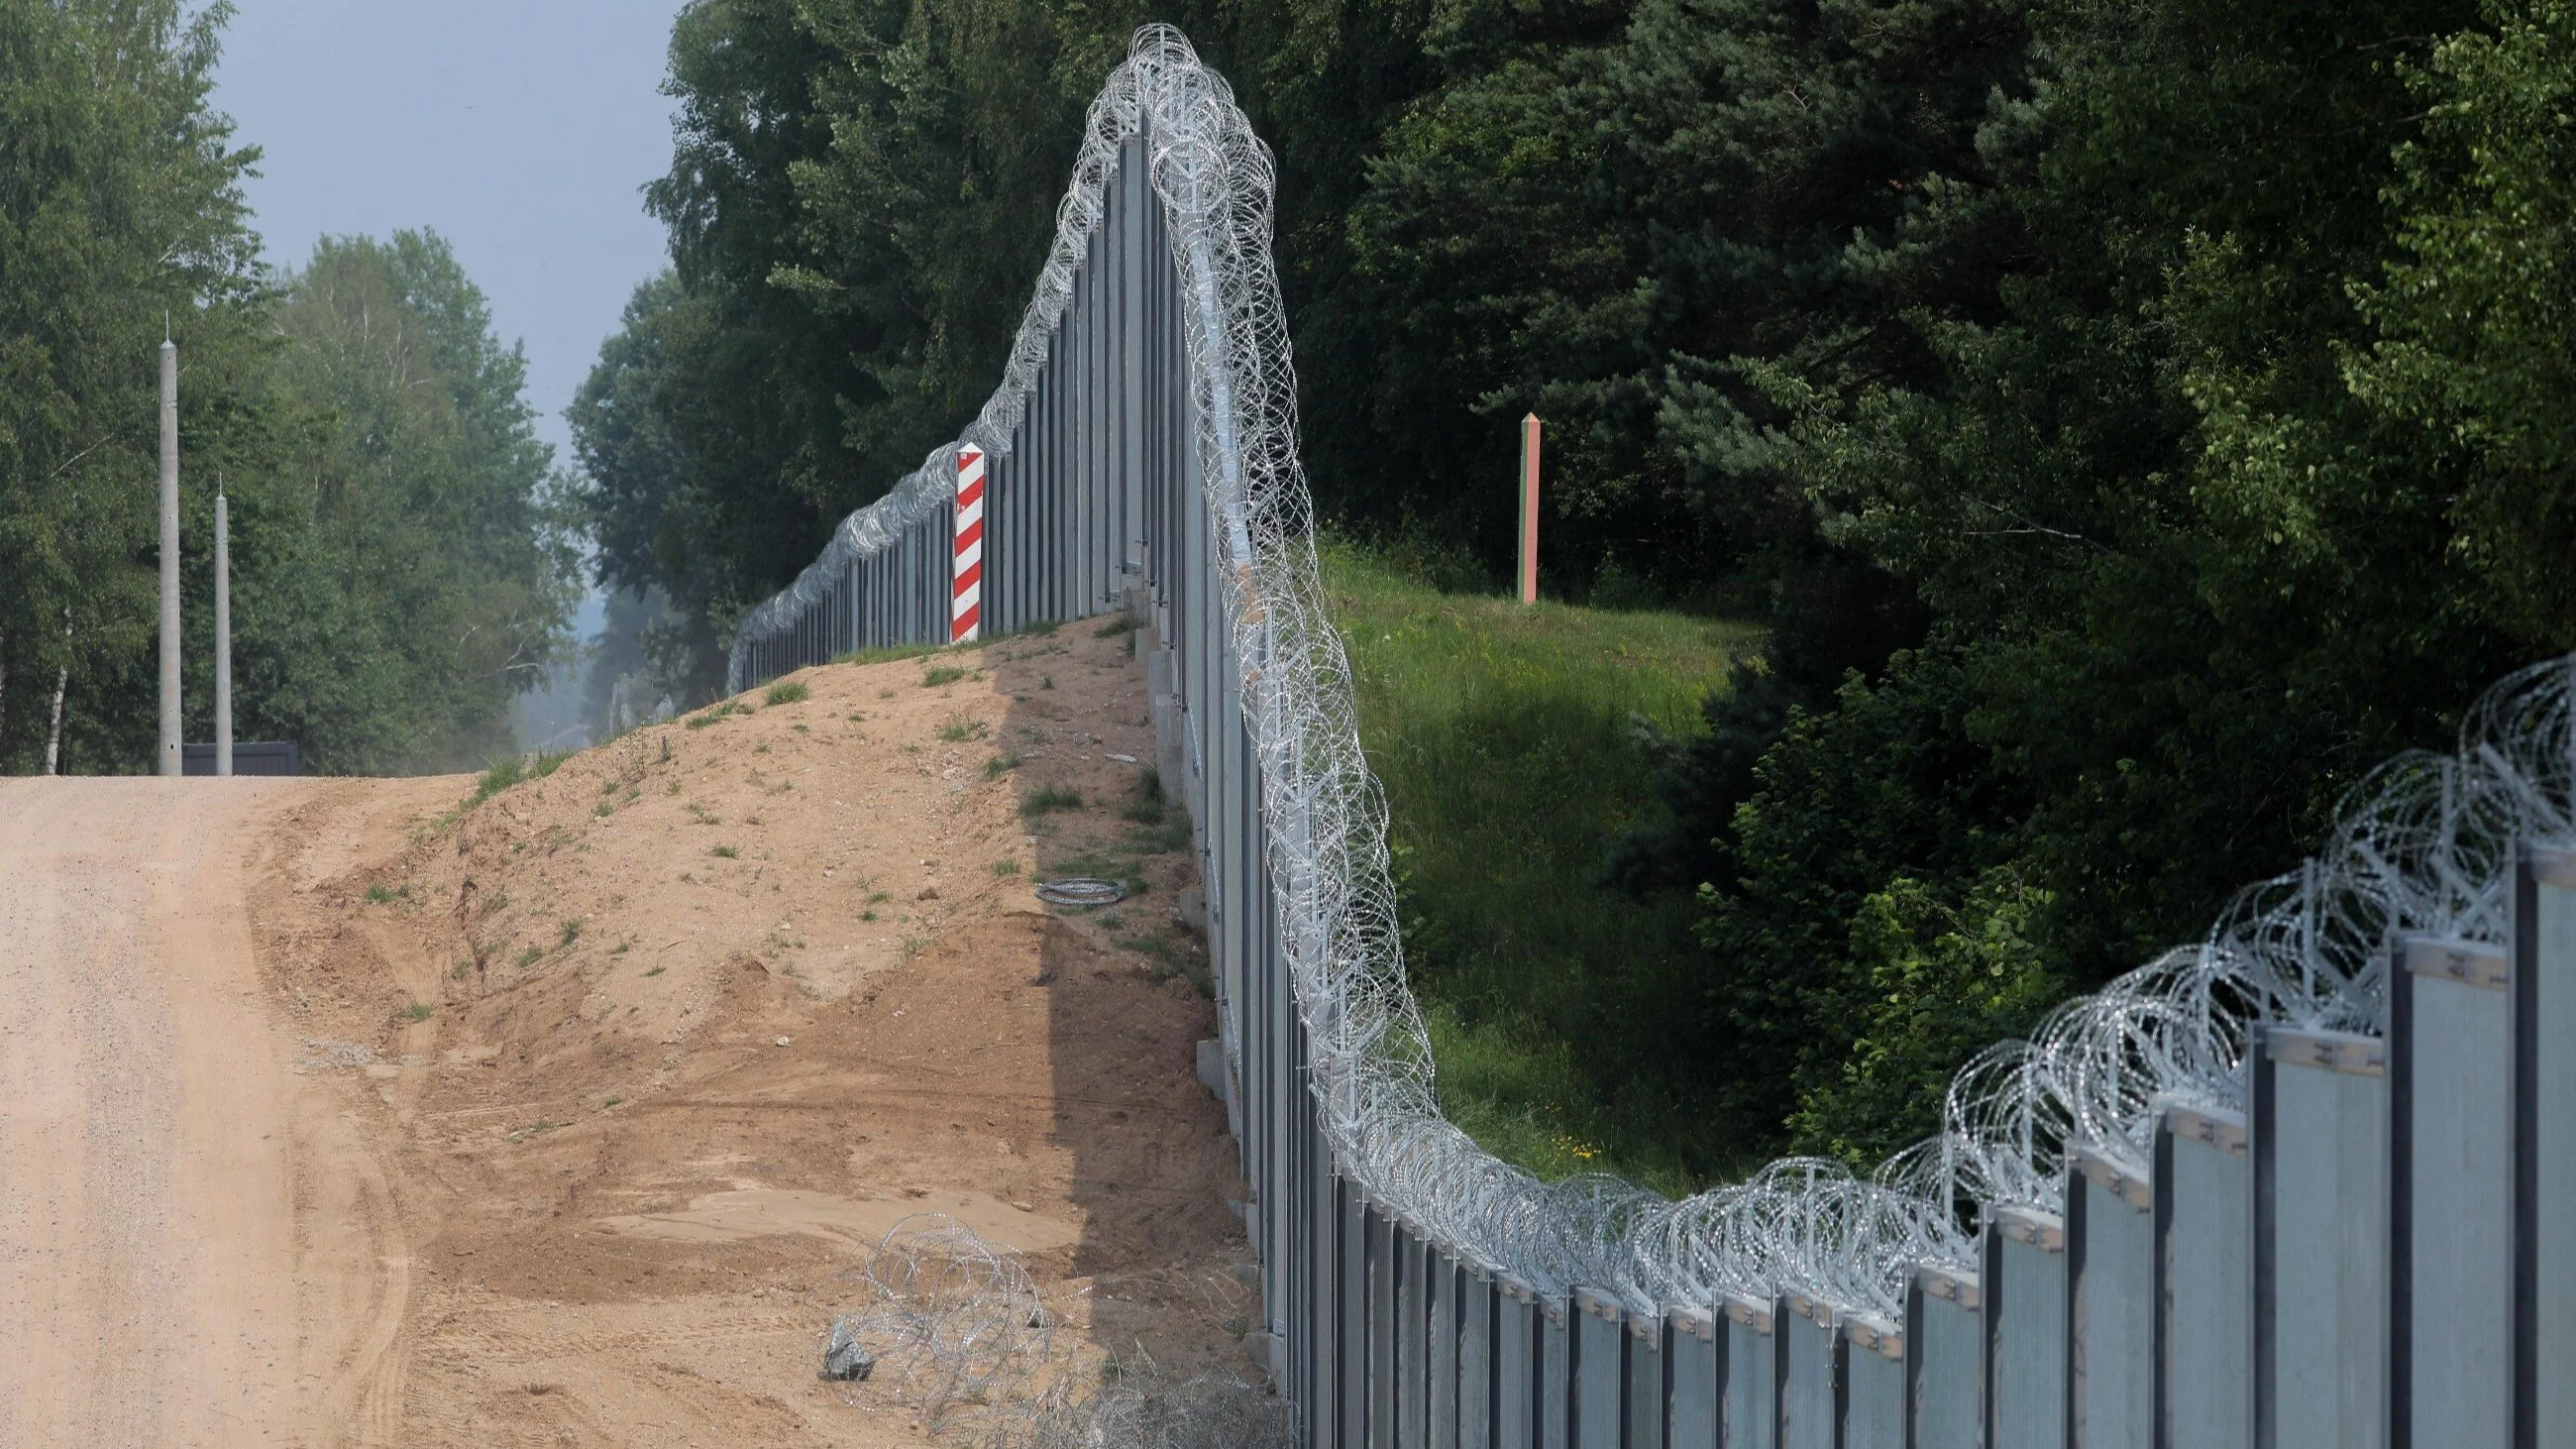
565, 1117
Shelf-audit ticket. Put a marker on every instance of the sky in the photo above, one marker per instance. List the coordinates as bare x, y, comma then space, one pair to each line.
520, 130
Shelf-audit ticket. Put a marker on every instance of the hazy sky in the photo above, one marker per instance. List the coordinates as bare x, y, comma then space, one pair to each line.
519, 129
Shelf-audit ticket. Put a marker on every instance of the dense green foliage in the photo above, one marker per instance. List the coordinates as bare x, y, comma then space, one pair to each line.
394, 580
1508, 743
2133, 420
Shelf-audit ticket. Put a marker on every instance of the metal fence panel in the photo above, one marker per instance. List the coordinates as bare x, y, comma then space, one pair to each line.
1752, 1366
1650, 1388
2025, 1322
2204, 1350
1443, 1282
1412, 1346
2111, 1320
1807, 1349
1600, 1388
1479, 1327
1873, 1388
2544, 1146
2450, 1225
1693, 1417
2320, 1133
1381, 1329
1350, 1373
1516, 1366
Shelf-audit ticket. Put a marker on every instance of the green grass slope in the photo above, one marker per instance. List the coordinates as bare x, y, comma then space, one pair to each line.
1506, 739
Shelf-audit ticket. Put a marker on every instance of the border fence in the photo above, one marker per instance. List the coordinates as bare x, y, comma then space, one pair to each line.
2311, 1181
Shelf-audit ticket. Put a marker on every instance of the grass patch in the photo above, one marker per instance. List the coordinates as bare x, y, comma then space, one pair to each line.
603, 809
1006, 868
1122, 624
718, 714
725, 852
418, 1011
656, 971
571, 930
378, 895
1504, 737
939, 674
887, 655
531, 957
501, 774
1000, 765
787, 692
1047, 799
1144, 801
960, 728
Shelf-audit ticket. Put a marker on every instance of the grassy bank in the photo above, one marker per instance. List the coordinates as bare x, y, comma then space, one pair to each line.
1505, 738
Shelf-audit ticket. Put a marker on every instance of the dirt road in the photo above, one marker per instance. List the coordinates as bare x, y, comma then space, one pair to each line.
172, 1270
397, 1112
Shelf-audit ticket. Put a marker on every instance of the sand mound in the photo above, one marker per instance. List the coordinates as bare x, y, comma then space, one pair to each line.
667, 1037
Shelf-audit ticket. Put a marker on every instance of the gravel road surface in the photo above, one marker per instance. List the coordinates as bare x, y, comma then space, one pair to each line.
172, 1272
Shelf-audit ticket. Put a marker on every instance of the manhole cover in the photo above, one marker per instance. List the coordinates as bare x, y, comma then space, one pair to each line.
1081, 890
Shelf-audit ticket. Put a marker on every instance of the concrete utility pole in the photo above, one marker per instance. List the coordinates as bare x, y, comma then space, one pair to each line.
223, 635
169, 758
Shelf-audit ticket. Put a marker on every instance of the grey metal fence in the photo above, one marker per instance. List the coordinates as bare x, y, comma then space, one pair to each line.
2307, 1183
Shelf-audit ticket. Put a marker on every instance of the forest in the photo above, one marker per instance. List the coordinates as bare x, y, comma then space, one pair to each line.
2129, 420
402, 562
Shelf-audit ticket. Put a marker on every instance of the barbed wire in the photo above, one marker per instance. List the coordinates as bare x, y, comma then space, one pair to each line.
2422, 845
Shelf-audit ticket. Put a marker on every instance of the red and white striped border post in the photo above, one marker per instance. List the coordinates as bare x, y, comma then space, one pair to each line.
966, 606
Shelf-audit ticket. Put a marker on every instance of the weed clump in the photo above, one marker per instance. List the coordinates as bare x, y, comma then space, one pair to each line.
787, 692
961, 728
939, 674
501, 774
716, 715
1048, 798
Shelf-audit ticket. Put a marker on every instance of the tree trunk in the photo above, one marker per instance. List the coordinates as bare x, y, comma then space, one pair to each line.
54, 737
62, 681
